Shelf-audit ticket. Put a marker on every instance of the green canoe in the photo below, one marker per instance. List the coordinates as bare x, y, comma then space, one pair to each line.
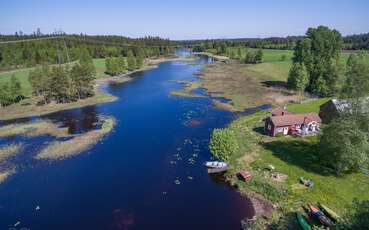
301, 219
330, 212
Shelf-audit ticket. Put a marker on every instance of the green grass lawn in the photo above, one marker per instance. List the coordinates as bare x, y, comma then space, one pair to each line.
100, 67
22, 75
312, 106
293, 157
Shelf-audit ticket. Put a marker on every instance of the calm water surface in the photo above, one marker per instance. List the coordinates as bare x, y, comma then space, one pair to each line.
128, 180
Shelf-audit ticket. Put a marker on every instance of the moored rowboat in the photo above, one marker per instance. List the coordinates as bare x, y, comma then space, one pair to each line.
215, 164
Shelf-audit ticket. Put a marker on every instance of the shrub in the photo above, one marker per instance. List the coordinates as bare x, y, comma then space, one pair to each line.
223, 144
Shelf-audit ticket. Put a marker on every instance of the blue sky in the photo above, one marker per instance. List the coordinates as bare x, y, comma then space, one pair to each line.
189, 19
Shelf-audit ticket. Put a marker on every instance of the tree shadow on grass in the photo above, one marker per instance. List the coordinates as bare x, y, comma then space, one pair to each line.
259, 130
300, 153
275, 84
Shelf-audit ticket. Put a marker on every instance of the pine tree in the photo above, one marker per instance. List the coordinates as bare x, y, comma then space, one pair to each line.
131, 61
15, 89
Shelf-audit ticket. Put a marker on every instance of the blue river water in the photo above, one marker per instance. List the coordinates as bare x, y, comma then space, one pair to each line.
146, 174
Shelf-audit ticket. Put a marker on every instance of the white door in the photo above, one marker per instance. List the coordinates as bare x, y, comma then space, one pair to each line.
285, 131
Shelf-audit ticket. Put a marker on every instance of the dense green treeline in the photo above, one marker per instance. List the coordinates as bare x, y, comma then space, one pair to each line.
118, 65
356, 42
352, 42
62, 49
64, 83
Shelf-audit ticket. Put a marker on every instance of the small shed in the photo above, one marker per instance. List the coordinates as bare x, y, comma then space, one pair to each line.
244, 176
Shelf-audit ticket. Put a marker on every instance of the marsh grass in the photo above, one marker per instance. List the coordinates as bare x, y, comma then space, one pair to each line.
58, 150
33, 129
9, 150
4, 174
185, 93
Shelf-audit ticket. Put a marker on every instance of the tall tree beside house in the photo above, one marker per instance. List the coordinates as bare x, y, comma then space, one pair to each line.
297, 77
357, 77
351, 152
320, 52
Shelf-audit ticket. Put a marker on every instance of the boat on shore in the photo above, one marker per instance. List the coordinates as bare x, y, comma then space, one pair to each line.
324, 220
333, 215
215, 164
302, 221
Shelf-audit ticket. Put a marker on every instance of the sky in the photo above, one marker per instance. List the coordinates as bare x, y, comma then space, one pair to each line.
186, 19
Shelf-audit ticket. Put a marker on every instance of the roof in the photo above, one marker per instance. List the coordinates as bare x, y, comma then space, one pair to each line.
342, 105
293, 119
279, 112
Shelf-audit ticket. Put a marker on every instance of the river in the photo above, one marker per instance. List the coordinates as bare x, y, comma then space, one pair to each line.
147, 174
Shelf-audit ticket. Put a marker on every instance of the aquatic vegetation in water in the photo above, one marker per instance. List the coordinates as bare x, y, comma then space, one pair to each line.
9, 150
58, 150
184, 93
32, 129
4, 174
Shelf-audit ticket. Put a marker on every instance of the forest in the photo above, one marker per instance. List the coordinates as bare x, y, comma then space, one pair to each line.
63, 64
31, 50
351, 42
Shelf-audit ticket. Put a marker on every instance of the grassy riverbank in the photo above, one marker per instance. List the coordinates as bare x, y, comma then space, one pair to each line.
292, 158
30, 107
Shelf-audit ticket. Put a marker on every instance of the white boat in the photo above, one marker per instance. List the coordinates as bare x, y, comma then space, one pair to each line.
215, 164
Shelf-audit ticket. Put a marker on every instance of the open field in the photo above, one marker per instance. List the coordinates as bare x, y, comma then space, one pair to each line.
58, 150
292, 157
245, 86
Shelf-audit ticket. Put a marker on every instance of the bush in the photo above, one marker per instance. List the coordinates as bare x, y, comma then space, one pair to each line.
223, 144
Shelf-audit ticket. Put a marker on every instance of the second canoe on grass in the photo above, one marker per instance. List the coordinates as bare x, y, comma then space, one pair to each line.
302, 221
329, 212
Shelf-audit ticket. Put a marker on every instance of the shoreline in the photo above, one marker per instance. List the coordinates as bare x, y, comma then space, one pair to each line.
29, 108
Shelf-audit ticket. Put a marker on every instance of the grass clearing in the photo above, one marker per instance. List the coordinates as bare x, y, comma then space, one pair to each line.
58, 150
246, 87
312, 106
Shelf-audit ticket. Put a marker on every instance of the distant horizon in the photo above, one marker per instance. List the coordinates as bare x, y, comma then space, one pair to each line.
190, 20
